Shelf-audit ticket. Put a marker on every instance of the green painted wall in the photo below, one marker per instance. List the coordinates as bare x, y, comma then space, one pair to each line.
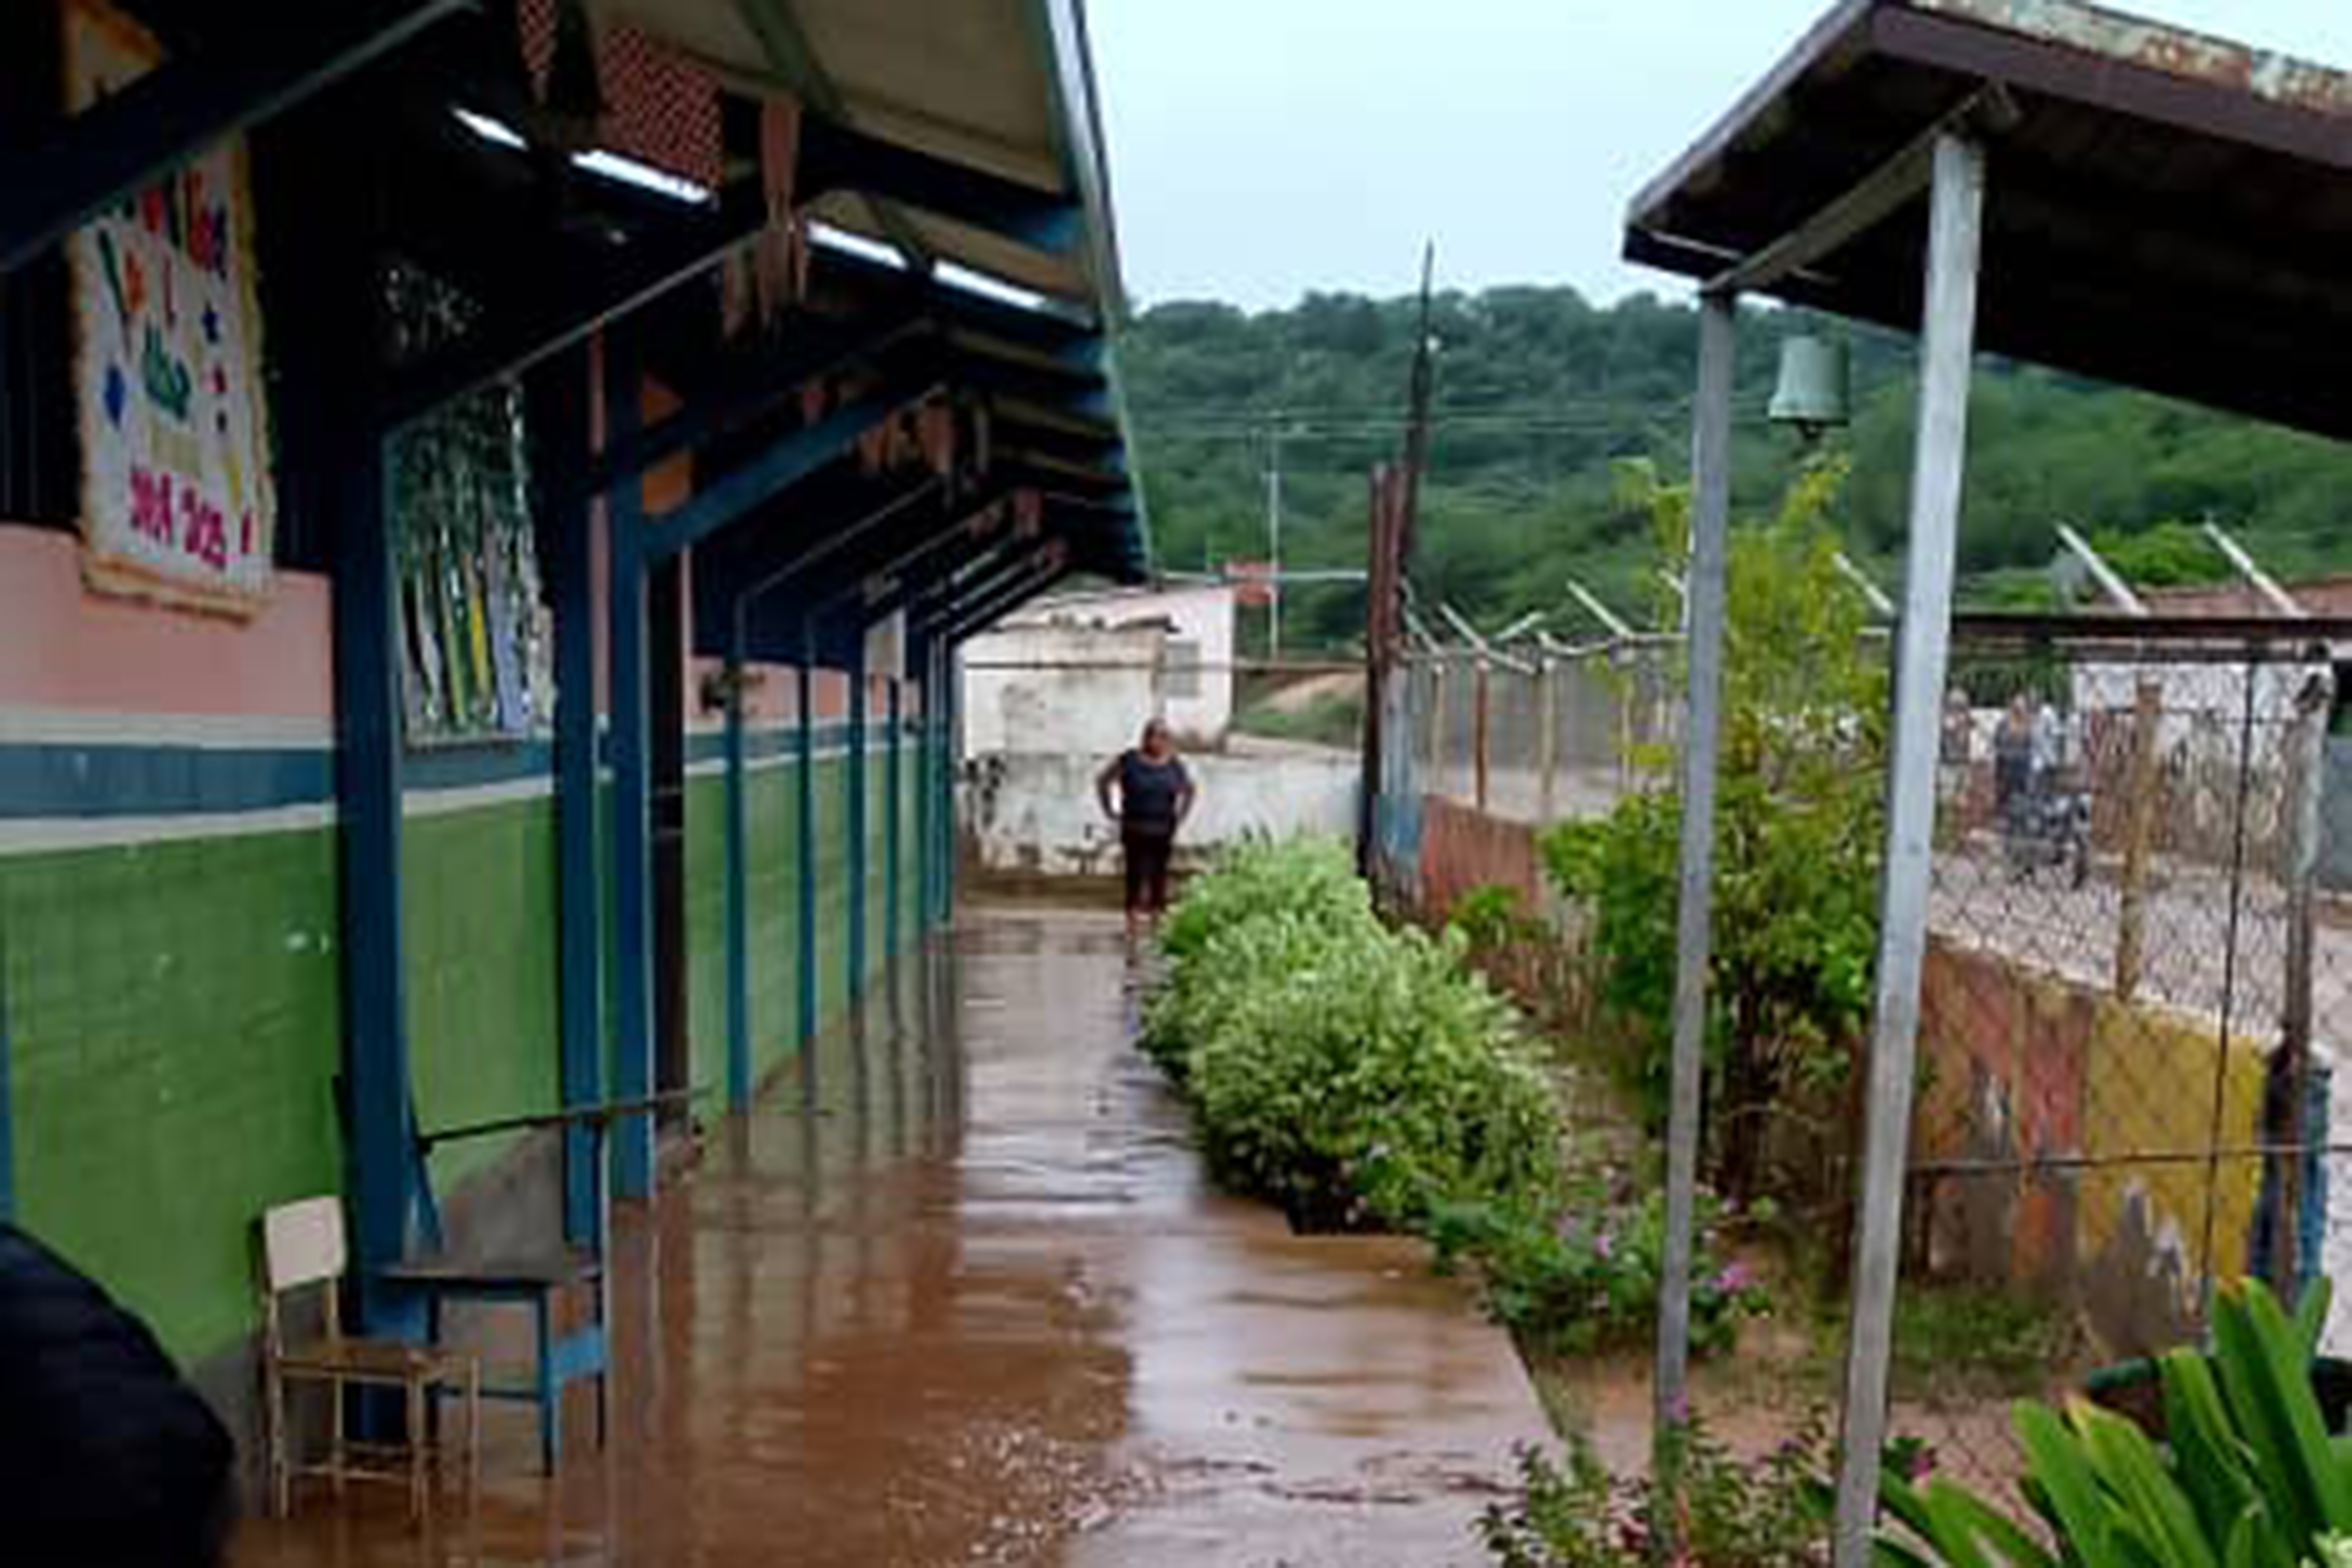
707, 938
174, 1016
176, 1019
479, 905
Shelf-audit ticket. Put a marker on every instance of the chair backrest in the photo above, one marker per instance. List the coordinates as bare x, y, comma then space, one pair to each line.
301, 1243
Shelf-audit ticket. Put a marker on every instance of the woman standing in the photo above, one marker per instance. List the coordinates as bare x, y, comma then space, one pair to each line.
1154, 795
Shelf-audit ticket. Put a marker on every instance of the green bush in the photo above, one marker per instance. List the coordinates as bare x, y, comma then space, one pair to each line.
1586, 1279
1768, 1512
1357, 1075
1311, 878
2247, 1477
1275, 905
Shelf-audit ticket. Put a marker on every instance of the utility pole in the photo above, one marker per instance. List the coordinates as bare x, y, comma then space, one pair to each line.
1274, 538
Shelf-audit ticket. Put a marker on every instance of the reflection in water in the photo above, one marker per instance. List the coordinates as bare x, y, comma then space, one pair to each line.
955, 1293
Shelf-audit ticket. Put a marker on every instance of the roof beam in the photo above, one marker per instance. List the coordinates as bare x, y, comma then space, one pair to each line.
837, 540
788, 463
789, 53
113, 149
1882, 193
567, 312
834, 157
820, 350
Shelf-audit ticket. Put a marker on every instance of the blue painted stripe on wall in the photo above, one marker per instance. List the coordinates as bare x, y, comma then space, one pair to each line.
42, 781
100, 781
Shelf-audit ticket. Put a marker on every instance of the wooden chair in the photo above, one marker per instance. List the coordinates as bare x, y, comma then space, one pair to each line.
303, 1248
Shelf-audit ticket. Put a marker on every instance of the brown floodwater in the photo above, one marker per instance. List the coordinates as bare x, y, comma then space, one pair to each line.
956, 1292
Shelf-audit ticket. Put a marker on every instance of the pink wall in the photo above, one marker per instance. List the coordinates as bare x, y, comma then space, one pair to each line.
66, 648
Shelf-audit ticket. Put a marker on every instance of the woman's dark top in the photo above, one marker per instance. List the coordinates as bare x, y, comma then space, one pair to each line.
1148, 794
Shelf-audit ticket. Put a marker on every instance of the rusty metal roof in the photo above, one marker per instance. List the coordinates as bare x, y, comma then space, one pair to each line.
2169, 210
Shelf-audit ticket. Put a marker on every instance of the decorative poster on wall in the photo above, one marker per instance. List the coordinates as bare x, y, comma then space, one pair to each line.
177, 503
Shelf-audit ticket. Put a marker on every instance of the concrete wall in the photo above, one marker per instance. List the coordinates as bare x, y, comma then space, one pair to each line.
2020, 1065
1037, 815
1077, 691
1080, 673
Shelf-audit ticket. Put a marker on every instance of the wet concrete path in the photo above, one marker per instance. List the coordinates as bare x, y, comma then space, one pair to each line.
962, 1296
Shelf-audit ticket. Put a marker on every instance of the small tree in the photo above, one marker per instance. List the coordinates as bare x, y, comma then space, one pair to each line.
1798, 837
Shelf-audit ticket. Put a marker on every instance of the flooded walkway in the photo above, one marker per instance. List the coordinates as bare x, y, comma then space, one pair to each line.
961, 1296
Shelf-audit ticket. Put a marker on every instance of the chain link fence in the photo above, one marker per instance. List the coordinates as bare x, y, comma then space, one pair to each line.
1537, 738
2140, 975
2136, 973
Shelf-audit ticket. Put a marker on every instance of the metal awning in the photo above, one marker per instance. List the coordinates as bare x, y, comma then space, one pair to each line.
1000, 86
2170, 211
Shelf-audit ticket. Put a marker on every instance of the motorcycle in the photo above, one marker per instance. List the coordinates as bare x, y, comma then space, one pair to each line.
2047, 827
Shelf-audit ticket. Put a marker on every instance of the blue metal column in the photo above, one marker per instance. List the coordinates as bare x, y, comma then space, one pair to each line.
804, 848
632, 793
949, 766
560, 397
738, 831
857, 868
894, 784
925, 801
8, 1141
368, 788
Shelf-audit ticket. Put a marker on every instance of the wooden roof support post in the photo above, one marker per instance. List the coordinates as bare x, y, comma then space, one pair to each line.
1947, 349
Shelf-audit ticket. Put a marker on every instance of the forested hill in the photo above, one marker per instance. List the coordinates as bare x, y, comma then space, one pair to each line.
1539, 392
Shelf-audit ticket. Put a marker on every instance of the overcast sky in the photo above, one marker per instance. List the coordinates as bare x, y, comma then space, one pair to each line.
1260, 148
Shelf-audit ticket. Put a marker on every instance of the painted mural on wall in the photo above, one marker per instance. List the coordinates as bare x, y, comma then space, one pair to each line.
475, 626
476, 635
178, 503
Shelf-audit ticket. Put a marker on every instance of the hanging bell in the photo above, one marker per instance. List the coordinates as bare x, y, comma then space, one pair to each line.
1812, 393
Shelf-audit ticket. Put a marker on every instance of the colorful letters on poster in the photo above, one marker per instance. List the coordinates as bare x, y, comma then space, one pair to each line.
177, 503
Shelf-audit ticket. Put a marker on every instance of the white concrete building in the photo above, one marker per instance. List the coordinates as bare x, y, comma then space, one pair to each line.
1078, 674
1052, 695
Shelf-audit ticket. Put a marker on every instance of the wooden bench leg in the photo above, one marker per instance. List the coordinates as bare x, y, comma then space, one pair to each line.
419, 1452
474, 1437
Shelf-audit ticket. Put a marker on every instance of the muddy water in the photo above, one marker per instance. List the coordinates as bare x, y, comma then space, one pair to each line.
958, 1294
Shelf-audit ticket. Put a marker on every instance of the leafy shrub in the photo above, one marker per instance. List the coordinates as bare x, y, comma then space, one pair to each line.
1797, 840
1585, 1281
1769, 1512
1492, 918
2247, 1475
1356, 1074
1311, 878
1376, 1072
1305, 890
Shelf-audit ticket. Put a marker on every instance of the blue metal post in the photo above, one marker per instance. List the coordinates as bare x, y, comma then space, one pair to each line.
560, 402
738, 833
804, 846
632, 795
8, 1142
926, 759
949, 765
857, 865
368, 787
894, 783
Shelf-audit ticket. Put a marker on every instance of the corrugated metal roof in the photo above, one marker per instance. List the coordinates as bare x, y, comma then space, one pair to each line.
2169, 210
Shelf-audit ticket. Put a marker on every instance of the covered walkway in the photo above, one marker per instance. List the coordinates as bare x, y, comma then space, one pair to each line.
957, 1292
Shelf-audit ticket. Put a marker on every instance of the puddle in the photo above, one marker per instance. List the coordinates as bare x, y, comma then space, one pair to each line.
959, 1293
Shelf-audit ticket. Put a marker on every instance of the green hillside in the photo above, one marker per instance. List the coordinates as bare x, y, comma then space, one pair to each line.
1539, 392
